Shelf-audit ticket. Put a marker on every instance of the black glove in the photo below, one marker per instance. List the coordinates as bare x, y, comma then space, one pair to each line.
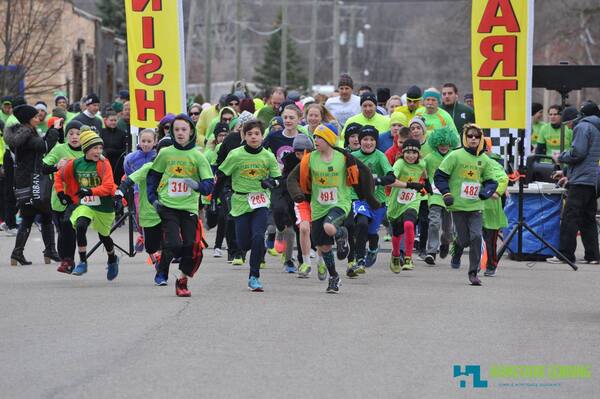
486, 193
64, 198
415, 186
119, 202
84, 192
269, 183
378, 181
448, 199
158, 206
299, 198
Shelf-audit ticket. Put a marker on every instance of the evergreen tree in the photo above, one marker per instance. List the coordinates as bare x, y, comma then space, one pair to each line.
112, 13
268, 74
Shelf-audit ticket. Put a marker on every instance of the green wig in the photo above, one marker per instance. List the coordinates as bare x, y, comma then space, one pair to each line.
443, 136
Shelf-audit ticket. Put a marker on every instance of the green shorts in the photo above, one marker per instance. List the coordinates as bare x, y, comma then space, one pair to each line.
101, 221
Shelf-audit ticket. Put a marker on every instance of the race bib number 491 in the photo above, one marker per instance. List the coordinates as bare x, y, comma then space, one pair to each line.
328, 196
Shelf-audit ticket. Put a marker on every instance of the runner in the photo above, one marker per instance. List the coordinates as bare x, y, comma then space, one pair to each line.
465, 178
443, 141
254, 171
404, 201
175, 179
368, 115
87, 183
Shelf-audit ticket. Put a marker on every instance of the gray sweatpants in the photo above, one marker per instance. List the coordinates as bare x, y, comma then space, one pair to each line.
468, 227
439, 218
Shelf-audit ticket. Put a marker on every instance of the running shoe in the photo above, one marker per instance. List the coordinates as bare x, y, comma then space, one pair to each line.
181, 288
371, 257
139, 245
272, 252
237, 261
387, 238
473, 279
408, 263
263, 265
217, 253
444, 249
360, 266
341, 242
489, 272
66, 266
395, 264
334, 285
588, 262
456, 253
254, 284
430, 259
160, 279
112, 269
289, 267
351, 270
322, 271
304, 270
80, 269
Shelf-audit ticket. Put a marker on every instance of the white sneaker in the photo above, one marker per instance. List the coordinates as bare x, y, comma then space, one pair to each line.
313, 254
555, 260
217, 253
11, 232
589, 262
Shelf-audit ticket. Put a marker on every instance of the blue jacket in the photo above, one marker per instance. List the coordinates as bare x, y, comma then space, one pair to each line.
583, 156
136, 160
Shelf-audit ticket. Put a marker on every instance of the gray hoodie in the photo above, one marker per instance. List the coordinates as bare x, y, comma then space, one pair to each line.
583, 156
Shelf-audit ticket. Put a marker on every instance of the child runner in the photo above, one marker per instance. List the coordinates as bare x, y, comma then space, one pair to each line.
442, 140
144, 153
404, 201
254, 171
368, 220
87, 182
494, 217
174, 180
351, 143
55, 160
465, 178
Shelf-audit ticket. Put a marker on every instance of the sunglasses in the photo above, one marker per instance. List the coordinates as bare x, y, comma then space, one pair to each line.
473, 136
167, 127
194, 113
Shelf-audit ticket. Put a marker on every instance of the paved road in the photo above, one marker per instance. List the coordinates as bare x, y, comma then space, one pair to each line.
384, 336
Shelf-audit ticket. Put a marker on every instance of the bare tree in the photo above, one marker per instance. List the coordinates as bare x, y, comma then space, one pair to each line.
28, 52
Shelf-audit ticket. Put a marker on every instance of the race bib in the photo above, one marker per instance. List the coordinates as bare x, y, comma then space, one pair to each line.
435, 189
178, 188
469, 190
258, 200
90, 200
328, 196
406, 195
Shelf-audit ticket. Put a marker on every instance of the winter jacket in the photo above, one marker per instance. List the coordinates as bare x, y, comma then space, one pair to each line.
92, 122
583, 156
65, 181
29, 149
136, 159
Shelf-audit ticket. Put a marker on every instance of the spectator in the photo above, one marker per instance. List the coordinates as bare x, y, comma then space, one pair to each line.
460, 113
468, 99
537, 122
194, 113
115, 145
548, 142
346, 104
6, 110
124, 122
88, 115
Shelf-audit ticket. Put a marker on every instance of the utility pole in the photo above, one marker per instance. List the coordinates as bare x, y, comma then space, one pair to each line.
284, 38
208, 44
238, 40
189, 46
336, 42
351, 42
312, 53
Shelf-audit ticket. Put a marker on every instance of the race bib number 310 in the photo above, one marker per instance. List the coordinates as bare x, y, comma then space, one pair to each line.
178, 188
328, 196
258, 200
469, 190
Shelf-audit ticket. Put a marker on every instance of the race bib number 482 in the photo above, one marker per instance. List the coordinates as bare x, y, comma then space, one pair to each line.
469, 190
328, 196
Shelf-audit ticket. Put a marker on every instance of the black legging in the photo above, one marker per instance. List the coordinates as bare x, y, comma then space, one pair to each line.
81, 226
66, 235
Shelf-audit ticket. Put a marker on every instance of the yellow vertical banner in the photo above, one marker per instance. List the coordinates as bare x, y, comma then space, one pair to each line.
156, 60
501, 61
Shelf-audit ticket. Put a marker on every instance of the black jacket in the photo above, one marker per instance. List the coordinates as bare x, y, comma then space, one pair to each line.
29, 149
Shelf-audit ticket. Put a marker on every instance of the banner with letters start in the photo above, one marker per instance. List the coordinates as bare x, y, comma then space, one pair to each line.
156, 60
501, 60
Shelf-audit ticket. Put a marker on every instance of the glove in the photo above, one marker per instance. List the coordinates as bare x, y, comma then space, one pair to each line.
269, 183
448, 199
119, 202
299, 198
118, 195
485, 194
84, 192
378, 181
193, 184
158, 206
64, 198
415, 186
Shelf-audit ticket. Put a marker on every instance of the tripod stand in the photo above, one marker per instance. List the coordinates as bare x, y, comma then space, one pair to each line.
521, 224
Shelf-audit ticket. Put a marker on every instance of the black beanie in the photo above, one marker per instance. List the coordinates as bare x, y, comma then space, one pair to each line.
220, 127
24, 113
92, 98
535, 108
352, 128
589, 108
414, 93
411, 144
368, 96
73, 124
383, 94
368, 130
230, 98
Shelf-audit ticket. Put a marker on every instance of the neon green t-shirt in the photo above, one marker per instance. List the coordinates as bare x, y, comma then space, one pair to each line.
466, 172
551, 137
535, 132
437, 120
58, 152
403, 199
148, 216
380, 122
246, 171
328, 185
432, 163
494, 217
175, 166
379, 166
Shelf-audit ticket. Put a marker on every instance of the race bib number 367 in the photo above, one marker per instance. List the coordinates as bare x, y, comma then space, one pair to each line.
328, 196
406, 195
469, 190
